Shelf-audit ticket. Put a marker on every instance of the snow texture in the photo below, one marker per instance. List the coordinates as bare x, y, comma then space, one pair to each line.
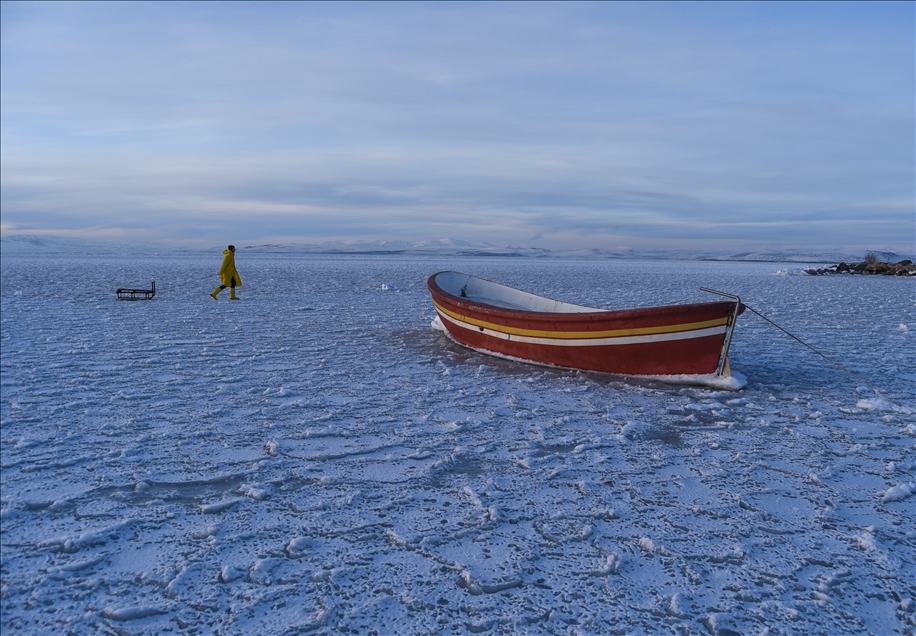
316, 459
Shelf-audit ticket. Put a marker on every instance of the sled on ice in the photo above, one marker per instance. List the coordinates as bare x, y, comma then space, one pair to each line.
137, 294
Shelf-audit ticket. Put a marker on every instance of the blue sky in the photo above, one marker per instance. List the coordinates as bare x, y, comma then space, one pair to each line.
728, 127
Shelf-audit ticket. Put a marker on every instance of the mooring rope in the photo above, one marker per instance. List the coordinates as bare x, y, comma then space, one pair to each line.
833, 362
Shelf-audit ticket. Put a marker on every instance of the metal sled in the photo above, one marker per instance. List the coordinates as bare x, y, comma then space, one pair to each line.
137, 294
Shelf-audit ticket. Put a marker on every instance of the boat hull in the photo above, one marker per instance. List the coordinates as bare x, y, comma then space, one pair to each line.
672, 340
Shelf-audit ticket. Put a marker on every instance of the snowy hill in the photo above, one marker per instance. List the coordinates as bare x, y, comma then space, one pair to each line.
31, 244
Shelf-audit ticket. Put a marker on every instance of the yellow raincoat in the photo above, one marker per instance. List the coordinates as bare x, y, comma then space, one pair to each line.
227, 272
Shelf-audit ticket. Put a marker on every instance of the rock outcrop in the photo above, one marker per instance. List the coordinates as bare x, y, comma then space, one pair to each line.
867, 267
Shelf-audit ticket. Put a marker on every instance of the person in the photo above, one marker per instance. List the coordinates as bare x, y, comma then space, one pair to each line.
228, 275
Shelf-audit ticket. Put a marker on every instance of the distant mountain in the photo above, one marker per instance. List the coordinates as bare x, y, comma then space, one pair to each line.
446, 246
31, 244
819, 257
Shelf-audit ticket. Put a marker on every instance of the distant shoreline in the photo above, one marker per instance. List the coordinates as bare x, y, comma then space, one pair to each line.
557, 256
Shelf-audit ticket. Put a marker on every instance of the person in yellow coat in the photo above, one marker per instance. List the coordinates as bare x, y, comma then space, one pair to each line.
228, 275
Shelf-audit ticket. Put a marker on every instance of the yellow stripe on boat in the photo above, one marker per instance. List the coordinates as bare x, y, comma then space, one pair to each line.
584, 335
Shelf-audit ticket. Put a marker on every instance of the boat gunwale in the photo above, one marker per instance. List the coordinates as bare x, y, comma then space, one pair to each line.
657, 311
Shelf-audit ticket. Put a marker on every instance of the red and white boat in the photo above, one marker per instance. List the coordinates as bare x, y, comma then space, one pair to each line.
680, 343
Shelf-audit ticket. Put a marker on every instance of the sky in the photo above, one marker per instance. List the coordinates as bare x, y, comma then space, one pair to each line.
713, 126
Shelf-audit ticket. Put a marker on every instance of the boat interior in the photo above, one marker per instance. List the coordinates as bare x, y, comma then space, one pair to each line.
487, 292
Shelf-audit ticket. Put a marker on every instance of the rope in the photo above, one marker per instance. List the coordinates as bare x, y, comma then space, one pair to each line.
836, 364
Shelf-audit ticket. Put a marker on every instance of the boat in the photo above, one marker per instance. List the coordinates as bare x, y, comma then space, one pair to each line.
685, 343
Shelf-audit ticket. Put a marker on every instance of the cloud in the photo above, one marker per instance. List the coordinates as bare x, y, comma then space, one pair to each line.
589, 122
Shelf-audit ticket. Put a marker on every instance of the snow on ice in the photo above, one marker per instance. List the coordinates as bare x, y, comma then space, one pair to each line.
317, 459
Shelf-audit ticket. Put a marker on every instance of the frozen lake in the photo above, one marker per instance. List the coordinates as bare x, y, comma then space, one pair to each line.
316, 459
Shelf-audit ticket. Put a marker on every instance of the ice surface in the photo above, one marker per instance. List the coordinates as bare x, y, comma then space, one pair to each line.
316, 459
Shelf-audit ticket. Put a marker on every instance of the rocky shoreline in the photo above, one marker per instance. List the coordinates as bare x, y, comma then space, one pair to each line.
869, 267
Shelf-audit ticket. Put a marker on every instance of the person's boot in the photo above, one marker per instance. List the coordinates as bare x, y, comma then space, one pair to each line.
216, 293
232, 295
